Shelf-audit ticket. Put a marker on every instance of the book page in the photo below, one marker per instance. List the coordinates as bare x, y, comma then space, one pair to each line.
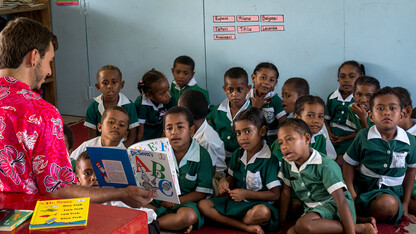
115, 172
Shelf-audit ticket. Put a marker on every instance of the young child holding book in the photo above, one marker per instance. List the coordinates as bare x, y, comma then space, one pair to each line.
317, 181
109, 83
386, 157
337, 107
236, 88
194, 167
113, 128
205, 135
252, 182
152, 104
183, 74
262, 96
292, 89
364, 87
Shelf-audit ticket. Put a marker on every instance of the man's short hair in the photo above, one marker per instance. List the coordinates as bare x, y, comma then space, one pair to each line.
21, 36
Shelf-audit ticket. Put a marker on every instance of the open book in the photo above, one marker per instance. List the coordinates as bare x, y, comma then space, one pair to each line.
148, 164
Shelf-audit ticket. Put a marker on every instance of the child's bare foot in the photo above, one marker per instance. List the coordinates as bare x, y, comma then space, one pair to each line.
188, 230
370, 220
254, 229
365, 228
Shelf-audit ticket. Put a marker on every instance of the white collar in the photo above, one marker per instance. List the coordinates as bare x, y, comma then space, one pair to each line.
317, 134
315, 158
269, 94
201, 130
412, 130
193, 154
401, 134
337, 94
122, 100
225, 106
120, 145
191, 82
147, 102
263, 153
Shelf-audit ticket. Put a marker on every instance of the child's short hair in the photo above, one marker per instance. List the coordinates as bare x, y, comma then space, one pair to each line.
69, 136
404, 95
253, 115
149, 78
384, 91
114, 108
195, 102
413, 113
307, 99
82, 156
236, 73
185, 60
297, 124
266, 65
367, 80
360, 67
110, 67
301, 85
180, 110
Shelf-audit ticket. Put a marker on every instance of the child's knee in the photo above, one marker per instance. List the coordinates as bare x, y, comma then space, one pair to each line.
261, 212
189, 217
384, 205
205, 204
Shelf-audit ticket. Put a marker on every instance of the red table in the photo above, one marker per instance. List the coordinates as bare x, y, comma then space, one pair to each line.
101, 218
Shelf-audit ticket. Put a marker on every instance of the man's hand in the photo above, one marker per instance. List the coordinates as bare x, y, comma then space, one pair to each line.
137, 197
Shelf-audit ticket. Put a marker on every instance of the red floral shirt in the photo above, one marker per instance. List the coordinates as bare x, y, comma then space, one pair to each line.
33, 157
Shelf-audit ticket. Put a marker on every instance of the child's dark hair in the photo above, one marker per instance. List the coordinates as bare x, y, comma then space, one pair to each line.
180, 110
195, 102
111, 68
307, 99
300, 85
384, 91
82, 156
149, 78
114, 108
367, 80
413, 113
298, 125
404, 96
185, 60
253, 115
236, 73
267, 65
69, 136
360, 67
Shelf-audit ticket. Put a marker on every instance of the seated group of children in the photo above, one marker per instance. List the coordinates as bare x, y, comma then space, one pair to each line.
228, 173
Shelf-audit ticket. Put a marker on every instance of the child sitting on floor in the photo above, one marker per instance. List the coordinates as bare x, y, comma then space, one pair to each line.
252, 182
386, 157
317, 181
194, 167
292, 89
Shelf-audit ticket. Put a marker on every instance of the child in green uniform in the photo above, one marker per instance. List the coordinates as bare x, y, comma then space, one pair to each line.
317, 181
337, 107
262, 96
252, 182
152, 104
109, 83
364, 87
183, 74
386, 157
194, 167
236, 88
292, 89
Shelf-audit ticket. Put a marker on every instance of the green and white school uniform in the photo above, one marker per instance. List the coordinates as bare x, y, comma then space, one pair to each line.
96, 109
383, 164
336, 110
354, 121
258, 174
177, 91
272, 112
412, 131
194, 174
152, 116
314, 182
220, 119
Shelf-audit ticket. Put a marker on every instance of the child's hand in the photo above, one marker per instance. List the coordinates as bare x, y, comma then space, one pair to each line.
167, 205
406, 214
259, 101
359, 110
333, 138
238, 194
224, 186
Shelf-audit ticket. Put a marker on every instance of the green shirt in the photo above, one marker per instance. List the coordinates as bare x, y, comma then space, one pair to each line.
336, 110
354, 121
191, 85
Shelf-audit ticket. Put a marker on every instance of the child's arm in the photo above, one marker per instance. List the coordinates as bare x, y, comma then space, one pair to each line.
284, 202
92, 133
361, 113
348, 174
338, 139
272, 194
407, 190
140, 131
225, 184
344, 211
131, 138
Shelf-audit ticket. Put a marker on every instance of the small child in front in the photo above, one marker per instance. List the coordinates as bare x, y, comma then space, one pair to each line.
109, 83
221, 118
292, 89
183, 74
194, 167
262, 96
113, 128
317, 181
252, 182
386, 156
364, 87
152, 104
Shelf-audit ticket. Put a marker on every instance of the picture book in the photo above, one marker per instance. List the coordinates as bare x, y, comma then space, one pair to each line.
60, 213
147, 164
16, 219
